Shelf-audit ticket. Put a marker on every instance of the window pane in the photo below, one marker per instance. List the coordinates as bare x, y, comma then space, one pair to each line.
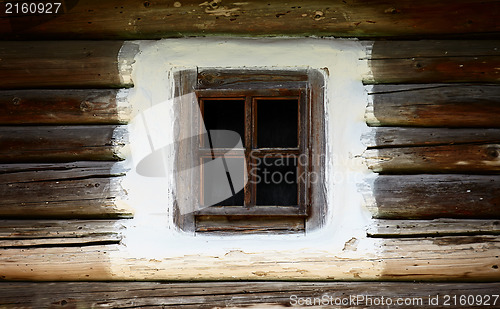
219, 114
277, 123
276, 181
222, 177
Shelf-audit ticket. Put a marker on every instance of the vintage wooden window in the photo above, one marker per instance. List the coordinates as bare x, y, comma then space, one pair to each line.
279, 117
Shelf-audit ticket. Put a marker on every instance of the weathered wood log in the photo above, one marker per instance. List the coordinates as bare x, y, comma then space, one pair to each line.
434, 62
61, 143
31, 233
154, 20
472, 258
427, 258
31, 172
437, 227
381, 137
434, 48
434, 105
435, 159
236, 294
71, 64
93, 106
436, 196
64, 190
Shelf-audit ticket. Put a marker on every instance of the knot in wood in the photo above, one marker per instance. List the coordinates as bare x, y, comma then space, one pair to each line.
493, 152
86, 106
318, 15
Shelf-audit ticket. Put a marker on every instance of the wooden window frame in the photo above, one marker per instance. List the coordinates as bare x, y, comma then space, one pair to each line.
250, 149
307, 87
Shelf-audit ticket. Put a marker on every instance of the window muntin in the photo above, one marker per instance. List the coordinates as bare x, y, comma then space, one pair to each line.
272, 112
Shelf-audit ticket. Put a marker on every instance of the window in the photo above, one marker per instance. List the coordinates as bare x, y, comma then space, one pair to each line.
259, 146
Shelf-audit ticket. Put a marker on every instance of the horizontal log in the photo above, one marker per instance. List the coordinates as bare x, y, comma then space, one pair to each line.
434, 48
468, 158
380, 137
434, 105
443, 62
437, 227
30, 233
455, 258
436, 196
36, 172
441, 258
64, 190
155, 20
61, 143
93, 106
232, 294
71, 64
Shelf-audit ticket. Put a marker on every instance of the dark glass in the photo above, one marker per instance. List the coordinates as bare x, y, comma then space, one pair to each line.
222, 177
276, 182
224, 115
277, 123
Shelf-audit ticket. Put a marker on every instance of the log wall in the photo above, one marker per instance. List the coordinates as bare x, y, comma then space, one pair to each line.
434, 143
62, 129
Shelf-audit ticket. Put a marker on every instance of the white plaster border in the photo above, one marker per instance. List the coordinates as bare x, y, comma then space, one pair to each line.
152, 233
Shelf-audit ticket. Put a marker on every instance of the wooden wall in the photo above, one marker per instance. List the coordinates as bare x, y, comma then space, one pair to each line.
434, 143
434, 114
59, 171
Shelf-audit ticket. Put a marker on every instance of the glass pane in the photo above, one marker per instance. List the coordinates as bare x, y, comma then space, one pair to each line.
276, 181
219, 114
277, 123
222, 177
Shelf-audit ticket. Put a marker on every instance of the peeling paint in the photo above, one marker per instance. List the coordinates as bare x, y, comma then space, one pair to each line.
126, 52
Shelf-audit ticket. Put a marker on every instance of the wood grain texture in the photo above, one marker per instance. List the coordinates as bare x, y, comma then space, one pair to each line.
65, 263
154, 20
61, 143
224, 294
381, 137
92, 106
434, 105
432, 228
31, 233
36, 172
53, 64
250, 79
469, 158
436, 196
467, 258
62, 190
249, 225
434, 62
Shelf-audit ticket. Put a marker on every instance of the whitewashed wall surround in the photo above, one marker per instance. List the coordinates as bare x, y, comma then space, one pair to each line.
153, 240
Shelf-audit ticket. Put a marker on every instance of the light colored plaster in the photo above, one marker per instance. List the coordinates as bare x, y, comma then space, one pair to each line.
153, 240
